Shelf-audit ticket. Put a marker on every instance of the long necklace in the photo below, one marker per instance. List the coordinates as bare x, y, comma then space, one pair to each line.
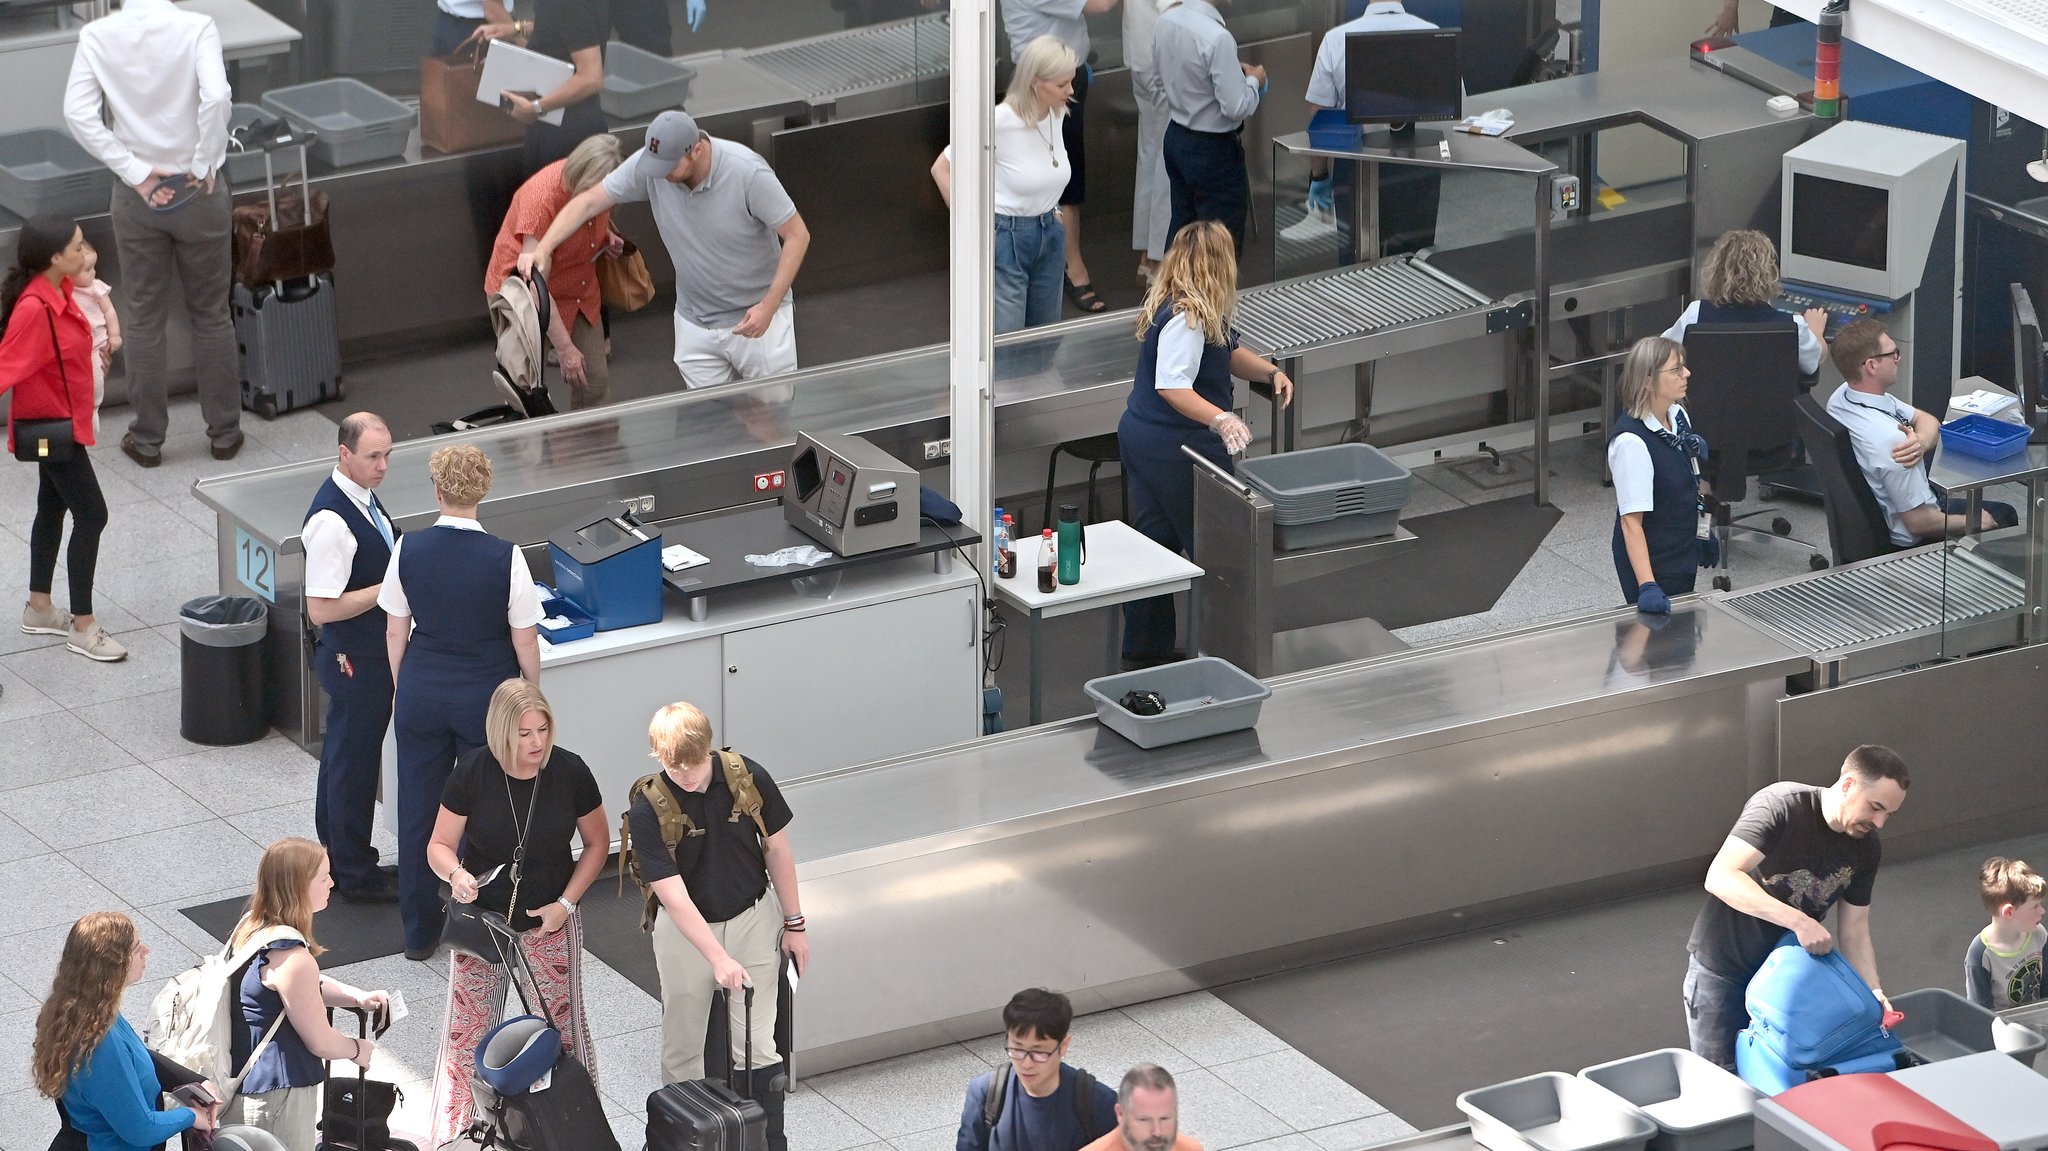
1048, 138
519, 851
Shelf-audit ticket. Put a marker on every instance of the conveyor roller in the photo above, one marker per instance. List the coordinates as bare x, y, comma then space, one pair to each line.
860, 58
1279, 319
1875, 601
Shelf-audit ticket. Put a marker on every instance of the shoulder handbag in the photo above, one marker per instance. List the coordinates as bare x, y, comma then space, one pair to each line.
465, 931
623, 280
38, 440
452, 119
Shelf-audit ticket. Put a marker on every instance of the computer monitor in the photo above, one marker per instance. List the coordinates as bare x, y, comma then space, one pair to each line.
2028, 368
1861, 205
1403, 77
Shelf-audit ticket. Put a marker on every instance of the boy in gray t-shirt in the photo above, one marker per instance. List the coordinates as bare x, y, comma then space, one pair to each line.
2002, 968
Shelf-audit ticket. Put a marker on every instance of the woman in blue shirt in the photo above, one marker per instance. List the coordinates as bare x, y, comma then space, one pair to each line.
88, 1058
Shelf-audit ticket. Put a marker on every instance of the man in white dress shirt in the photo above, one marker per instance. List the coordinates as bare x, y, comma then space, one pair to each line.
155, 70
1893, 439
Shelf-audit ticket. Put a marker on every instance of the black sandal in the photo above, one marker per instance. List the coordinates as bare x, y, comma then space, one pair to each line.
1084, 297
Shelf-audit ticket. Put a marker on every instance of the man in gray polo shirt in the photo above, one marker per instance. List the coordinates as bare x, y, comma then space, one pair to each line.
733, 234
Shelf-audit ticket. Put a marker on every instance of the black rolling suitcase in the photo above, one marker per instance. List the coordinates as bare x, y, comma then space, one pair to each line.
563, 1113
709, 1115
287, 331
346, 1122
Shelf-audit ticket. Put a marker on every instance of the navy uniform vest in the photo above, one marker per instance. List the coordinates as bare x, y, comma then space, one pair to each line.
457, 582
359, 637
1671, 525
1713, 313
1212, 379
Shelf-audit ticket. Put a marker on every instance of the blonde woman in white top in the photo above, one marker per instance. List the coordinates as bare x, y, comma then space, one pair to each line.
1031, 171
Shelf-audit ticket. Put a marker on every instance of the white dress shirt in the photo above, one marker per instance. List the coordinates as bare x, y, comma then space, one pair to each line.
522, 608
1326, 80
1873, 422
1810, 347
469, 9
158, 69
330, 545
1628, 458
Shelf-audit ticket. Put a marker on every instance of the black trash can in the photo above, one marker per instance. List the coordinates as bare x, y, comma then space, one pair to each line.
222, 669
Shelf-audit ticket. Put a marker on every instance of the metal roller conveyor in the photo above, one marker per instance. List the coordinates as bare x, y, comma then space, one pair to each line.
1326, 319
1882, 600
860, 59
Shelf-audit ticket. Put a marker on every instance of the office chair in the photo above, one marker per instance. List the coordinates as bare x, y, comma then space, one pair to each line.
1857, 529
1744, 379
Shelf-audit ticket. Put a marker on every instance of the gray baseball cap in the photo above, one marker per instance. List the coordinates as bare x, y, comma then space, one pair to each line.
672, 134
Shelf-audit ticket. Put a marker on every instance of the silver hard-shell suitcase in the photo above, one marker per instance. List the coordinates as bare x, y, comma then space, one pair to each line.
287, 333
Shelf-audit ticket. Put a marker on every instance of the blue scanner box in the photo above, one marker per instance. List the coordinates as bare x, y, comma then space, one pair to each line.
610, 566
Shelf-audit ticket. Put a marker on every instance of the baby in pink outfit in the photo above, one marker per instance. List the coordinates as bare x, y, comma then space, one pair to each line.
95, 297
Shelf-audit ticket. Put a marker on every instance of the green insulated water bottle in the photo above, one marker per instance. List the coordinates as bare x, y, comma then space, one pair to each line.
1073, 544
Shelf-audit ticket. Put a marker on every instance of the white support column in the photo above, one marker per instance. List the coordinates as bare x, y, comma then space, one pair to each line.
971, 250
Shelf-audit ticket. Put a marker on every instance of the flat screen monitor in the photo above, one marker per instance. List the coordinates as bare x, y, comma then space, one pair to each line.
1840, 222
1402, 77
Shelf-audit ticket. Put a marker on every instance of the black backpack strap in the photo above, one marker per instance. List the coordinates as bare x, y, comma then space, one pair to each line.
1084, 1102
992, 1100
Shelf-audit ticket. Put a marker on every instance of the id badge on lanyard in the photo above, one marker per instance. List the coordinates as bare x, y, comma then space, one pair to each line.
1706, 518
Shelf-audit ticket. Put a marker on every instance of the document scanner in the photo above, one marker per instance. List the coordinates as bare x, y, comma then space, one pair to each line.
609, 564
850, 495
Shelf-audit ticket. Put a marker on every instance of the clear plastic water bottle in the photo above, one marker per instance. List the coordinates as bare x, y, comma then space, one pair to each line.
1006, 560
1000, 543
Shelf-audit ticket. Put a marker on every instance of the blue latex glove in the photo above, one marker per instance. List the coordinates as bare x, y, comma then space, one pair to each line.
1322, 194
1710, 551
1651, 599
694, 10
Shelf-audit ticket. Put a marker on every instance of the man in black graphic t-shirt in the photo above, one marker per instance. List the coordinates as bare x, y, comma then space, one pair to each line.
1796, 851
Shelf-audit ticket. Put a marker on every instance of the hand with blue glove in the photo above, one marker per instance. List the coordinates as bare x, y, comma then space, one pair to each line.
694, 11
1651, 599
1710, 551
1322, 194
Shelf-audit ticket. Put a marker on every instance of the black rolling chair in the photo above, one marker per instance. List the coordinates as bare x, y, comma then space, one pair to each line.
1097, 450
1857, 529
1744, 379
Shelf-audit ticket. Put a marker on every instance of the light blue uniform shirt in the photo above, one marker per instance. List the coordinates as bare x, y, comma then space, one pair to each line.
1873, 423
1326, 80
1027, 20
1196, 59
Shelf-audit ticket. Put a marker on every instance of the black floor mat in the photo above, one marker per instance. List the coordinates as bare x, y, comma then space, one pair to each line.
351, 932
1414, 1026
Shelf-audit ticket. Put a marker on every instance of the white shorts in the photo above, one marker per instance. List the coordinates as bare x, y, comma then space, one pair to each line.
710, 356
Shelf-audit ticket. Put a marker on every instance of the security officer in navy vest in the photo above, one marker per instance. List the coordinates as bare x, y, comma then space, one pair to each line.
461, 619
1183, 395
348, 540
1661, 535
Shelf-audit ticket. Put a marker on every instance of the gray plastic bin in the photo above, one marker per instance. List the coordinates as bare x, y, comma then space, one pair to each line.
221, 669
43, 170
356, 123
1695, 1105
639, 84
247, 167
1553, 1112
1204, 696
1351, 528
2006, 1104
1940, 1025
1321, 483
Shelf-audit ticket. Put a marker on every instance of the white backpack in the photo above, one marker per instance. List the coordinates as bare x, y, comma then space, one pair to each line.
193, 1020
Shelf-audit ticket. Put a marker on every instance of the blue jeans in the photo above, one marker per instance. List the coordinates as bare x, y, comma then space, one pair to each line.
1031, 262
1714, 1013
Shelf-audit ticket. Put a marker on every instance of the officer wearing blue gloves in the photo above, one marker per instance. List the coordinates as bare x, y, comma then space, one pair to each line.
1408, 195
1661, 535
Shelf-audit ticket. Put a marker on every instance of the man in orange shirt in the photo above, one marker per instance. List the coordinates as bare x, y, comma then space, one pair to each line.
1147, 1115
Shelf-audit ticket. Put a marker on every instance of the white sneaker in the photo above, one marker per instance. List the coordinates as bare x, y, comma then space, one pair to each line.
55, 621
1315, 224
96, 644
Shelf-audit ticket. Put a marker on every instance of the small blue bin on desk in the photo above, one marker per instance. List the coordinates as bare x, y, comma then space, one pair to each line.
610, 566
1332, 128
581, 625
1983, 437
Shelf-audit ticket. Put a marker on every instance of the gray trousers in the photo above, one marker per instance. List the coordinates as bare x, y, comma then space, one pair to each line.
168, 258
1151, 198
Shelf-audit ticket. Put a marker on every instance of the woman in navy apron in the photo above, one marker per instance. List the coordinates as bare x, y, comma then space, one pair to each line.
1183, 395
1738, 281
1660, 526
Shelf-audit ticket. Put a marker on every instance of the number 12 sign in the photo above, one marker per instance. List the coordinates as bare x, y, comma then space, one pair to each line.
256, 565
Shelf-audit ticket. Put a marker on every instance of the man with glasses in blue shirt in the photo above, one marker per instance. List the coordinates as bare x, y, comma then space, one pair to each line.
1893, 440
1036, 1102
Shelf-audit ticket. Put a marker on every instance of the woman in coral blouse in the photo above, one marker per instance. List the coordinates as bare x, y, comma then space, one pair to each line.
576, 330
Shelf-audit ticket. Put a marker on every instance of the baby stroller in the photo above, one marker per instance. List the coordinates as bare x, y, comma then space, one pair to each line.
520, 314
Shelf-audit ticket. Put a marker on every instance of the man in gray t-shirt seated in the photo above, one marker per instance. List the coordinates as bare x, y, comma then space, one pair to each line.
733, 234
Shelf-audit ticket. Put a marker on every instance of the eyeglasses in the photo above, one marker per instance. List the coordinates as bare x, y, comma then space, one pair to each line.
1894, 354
1019, 1055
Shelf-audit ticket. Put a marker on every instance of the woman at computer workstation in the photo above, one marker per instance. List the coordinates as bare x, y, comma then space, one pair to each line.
1655, 458
1183, 396
1738, 281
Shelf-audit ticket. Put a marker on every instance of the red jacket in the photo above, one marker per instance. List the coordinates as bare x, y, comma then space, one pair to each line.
29, 365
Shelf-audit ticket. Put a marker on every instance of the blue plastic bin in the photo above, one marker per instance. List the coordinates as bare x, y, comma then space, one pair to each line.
1984, 437
582, 625
1332, 128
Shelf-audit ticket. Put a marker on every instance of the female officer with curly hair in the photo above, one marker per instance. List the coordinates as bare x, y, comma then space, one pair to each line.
1738, 281
461, 614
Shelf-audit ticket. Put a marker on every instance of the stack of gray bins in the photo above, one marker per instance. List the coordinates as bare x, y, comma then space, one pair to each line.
1323, 497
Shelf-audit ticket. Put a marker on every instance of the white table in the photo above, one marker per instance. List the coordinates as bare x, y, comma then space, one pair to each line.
1122, 566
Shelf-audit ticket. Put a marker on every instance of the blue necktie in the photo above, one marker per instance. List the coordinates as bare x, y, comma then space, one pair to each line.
381, 521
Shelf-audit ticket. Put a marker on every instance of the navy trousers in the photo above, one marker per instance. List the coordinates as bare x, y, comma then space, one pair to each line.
351, 758
1206, 178
435, 723
1162, 483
